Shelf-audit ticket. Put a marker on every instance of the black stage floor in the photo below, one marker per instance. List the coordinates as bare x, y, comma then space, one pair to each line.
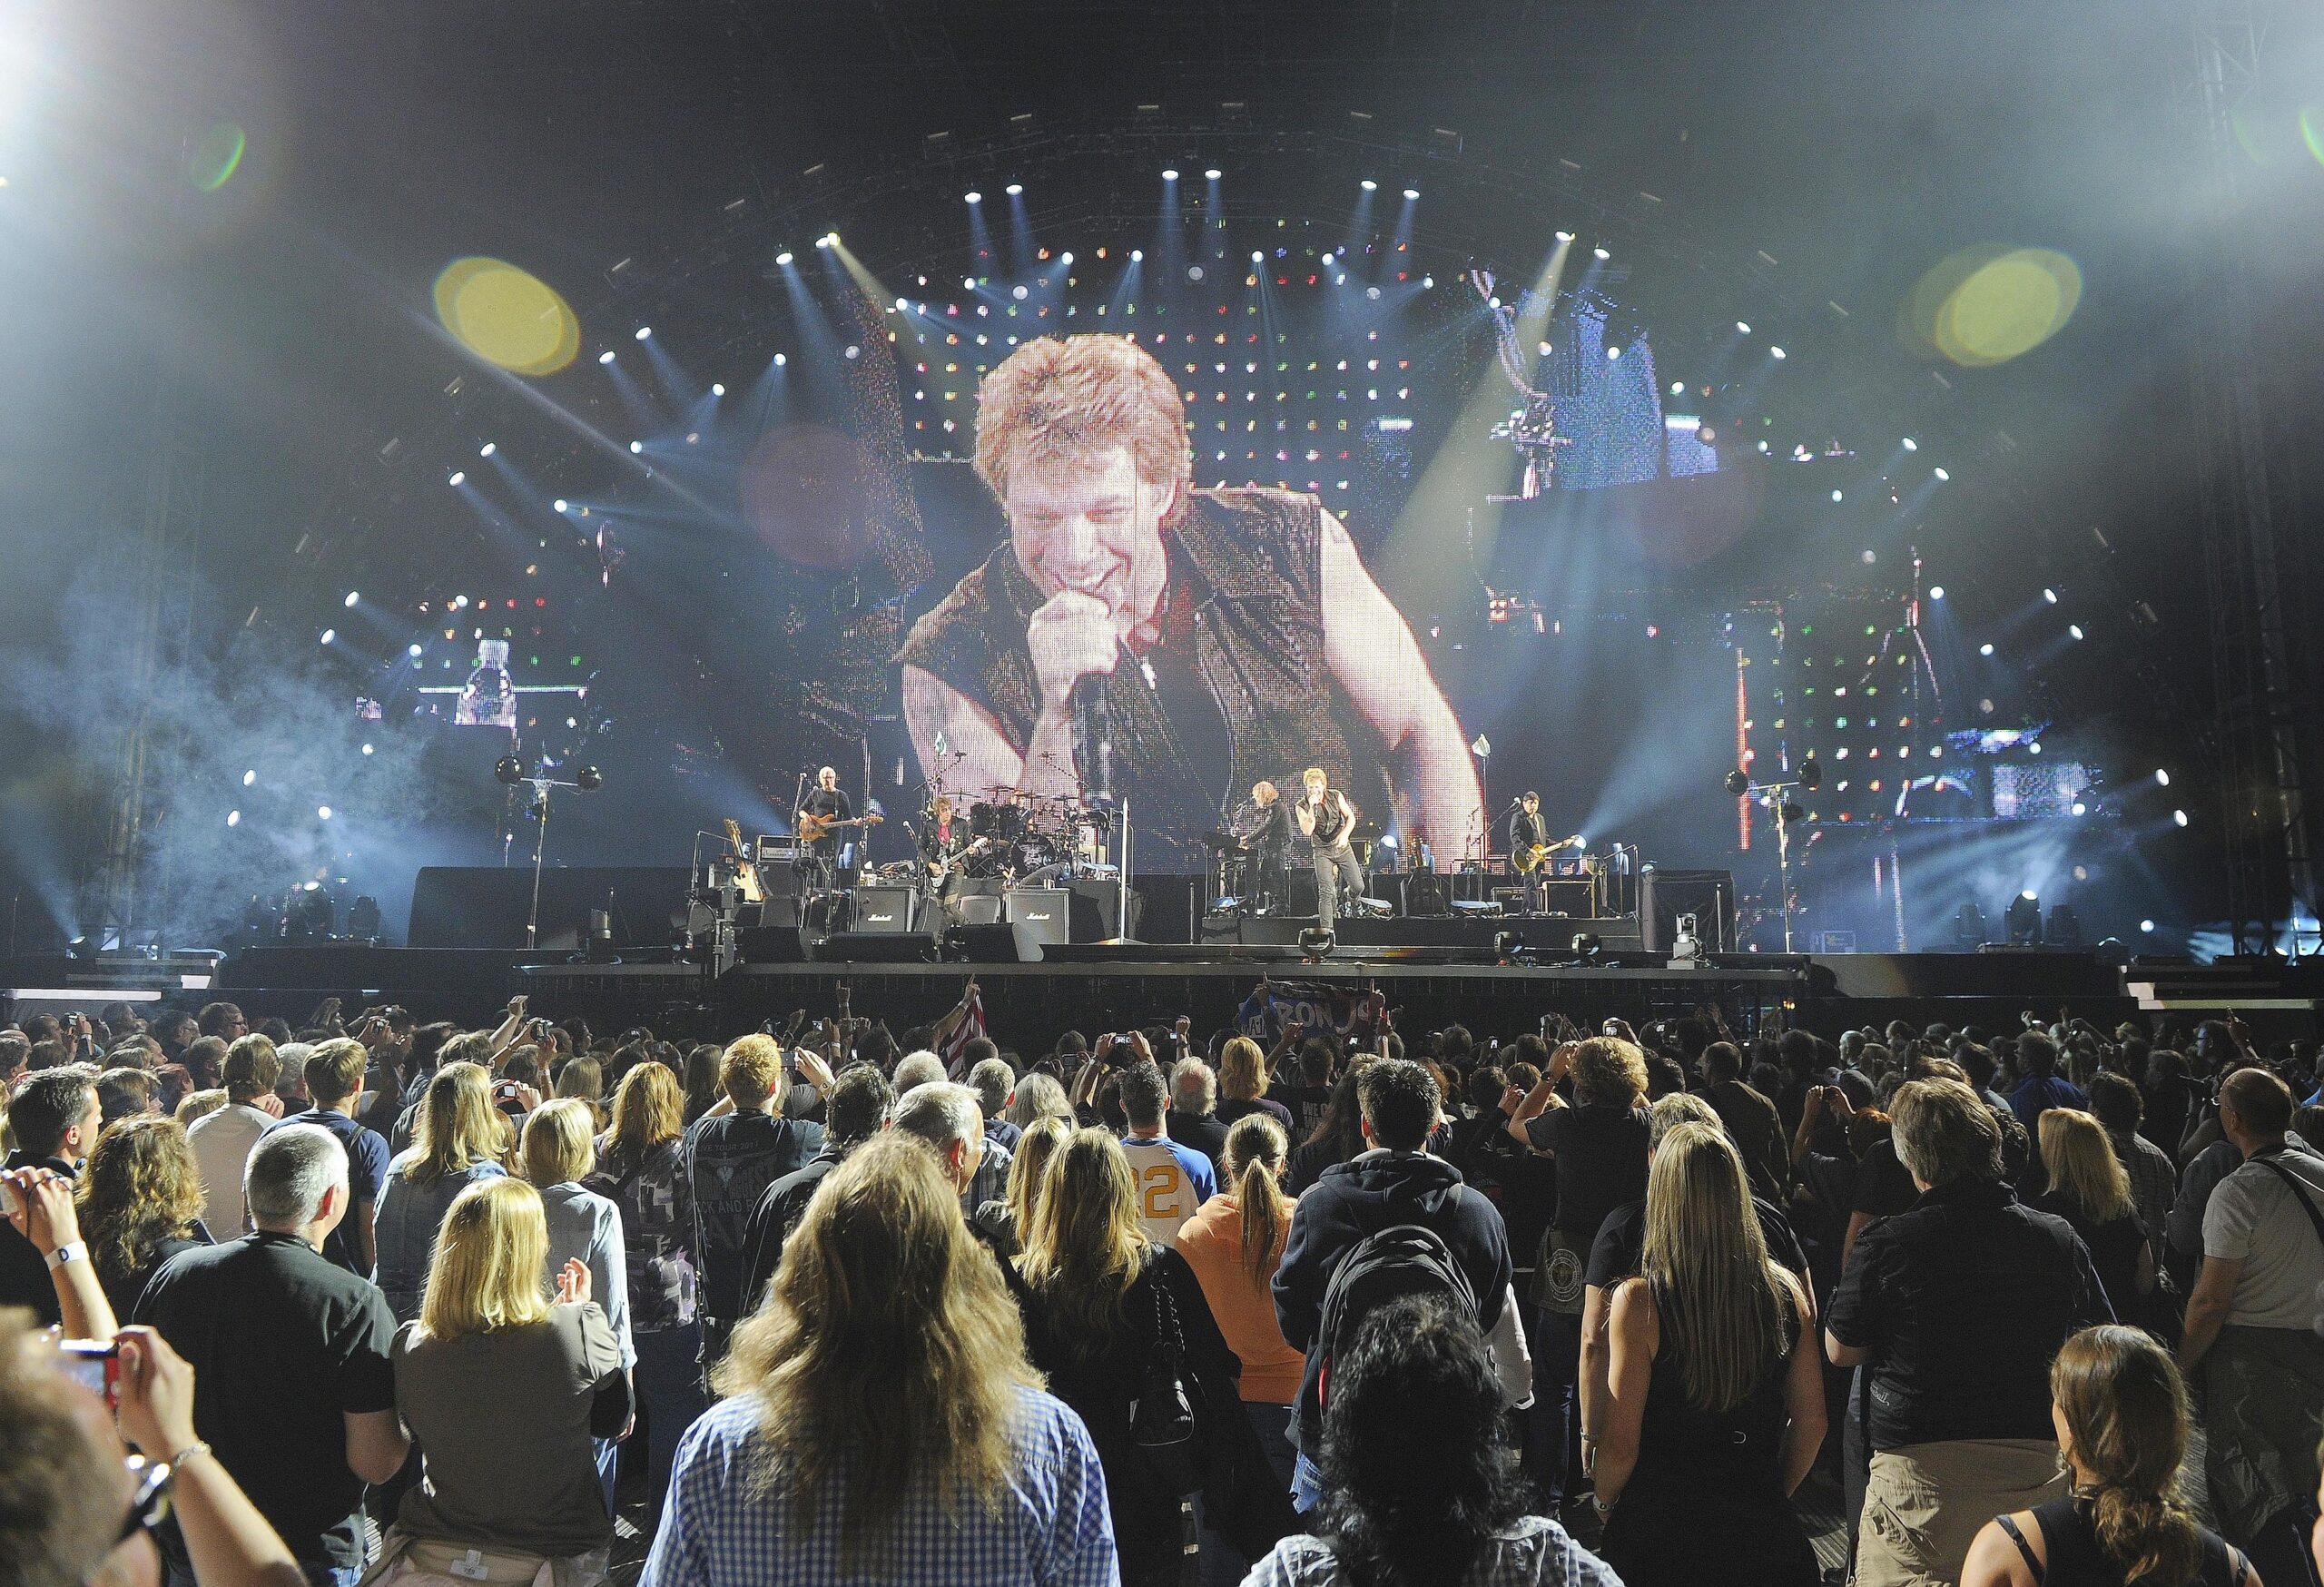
1096, 987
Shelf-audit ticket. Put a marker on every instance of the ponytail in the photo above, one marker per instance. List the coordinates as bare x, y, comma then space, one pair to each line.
1256, 1150
2152, 1536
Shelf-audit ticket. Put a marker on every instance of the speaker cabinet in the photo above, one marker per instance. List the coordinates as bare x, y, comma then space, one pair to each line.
1707, 895
880, 909
1045, 913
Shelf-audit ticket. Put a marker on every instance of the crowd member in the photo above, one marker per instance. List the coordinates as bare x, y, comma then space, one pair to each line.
298, 1399
2153, 1176
124, 1092
54, 1119
196, 1105
2090, 1190
1038, 1096
1002, 1224
1599, 1143
556, 1153
825, 1462
1103, 1300
493, 1368
1242, 1085
1618, 1253
457, 1139
1235, 1244
918, 1068
994, 1082
334, 1075
639, 1171
1193, 1119
854, 1110
2250, 1340
2121, 1410
139, 1204
1751, 1120
1715, 1405
945, 1115
1418, 1478
1957, 1307
79, 1508
731, 1157
1396, 1181
1335, 1140
1172, 1179
222, 1141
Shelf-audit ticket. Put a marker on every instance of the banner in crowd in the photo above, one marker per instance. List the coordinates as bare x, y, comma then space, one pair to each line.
1311, 1004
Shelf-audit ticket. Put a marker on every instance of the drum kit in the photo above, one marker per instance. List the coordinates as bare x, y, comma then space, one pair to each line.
1023, 837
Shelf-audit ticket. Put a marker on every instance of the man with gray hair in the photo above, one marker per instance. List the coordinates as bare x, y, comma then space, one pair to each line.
1192, 1119
946, 1115
919, 1069
1955, 1309
291, 1351
994, 1082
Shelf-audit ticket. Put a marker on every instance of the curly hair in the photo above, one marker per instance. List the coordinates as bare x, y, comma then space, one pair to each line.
140, 1188
1608, 1069
1418, 1473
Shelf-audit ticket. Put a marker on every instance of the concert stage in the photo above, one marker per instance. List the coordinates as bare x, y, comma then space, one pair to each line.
1095, 987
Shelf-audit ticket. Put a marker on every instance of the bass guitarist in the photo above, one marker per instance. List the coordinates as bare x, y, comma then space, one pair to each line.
824, 804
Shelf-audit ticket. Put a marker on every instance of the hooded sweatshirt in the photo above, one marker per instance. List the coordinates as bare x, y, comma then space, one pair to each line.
1375, 1190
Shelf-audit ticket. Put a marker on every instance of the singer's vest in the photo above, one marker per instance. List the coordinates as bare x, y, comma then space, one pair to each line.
1255, 560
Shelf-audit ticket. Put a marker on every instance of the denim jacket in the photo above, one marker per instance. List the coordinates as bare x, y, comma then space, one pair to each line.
404, 1226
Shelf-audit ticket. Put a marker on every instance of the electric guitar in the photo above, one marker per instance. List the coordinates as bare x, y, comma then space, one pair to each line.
939, 869
1529, 860
813, 829
746, 873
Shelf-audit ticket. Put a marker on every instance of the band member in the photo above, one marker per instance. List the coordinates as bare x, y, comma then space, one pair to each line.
1265, 835
1221, 632
824, 802
1526, 830
1327, 821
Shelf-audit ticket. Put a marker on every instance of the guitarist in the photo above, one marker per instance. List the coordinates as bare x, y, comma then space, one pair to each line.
944, 845
1526, 830
824, 802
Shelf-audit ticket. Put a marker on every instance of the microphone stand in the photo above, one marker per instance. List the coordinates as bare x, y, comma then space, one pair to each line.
540, 786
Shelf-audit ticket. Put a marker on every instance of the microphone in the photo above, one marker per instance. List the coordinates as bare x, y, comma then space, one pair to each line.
1093, 736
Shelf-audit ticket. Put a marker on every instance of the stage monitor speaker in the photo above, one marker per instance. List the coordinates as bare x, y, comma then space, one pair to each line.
880, 909
769, 945
979, 909
1045, 912
874, 948
993, 944
1707, 895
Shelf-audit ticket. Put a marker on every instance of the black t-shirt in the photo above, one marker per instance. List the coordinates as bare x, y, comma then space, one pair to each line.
1202, 1132
730, 1160
1963, 1303
24, 1271
284, 1343
1621, 1243
1884, 1185
829, 804
1600, 1153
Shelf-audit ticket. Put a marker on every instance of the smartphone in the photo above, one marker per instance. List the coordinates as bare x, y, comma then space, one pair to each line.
94, 1364
1611, 1028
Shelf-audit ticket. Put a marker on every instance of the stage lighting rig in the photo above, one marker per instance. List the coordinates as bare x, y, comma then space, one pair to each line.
1315, 945
509, 770
1776, 797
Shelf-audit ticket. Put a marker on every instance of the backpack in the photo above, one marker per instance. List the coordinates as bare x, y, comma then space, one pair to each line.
1400, 1259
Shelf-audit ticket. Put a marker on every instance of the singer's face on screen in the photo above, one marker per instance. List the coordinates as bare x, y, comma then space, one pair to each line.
1092, 524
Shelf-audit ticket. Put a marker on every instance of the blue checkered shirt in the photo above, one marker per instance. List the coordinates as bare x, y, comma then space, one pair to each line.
1052, 1526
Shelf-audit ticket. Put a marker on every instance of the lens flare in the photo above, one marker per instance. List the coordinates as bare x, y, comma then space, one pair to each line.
508, 316
215, 158
1988, 304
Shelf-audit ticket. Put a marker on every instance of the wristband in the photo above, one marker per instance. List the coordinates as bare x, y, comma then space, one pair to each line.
73, 1252
192, 1450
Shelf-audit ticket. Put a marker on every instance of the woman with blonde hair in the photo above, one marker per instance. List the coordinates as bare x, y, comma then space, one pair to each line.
494, 1368
1235, 1244
1038, 1096
1242, 1085
825, 1460
139, 1204
1001, 1223
1101, 1303
2090, 1190
2121, 1410
458, 1137
641, 1172
1715, 1405
556, 1152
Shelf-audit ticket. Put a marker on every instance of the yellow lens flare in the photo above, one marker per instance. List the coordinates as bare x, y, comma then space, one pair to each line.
507, 316
216, 155
1987, 305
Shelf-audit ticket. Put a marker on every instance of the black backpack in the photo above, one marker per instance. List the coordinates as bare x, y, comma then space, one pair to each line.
1388, 1263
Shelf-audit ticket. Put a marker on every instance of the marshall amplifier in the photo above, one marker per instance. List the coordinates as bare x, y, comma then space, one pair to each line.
1045, 912
880, 909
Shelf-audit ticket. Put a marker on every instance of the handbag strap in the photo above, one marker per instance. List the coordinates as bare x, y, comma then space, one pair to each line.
1169, 1339
2298, 1192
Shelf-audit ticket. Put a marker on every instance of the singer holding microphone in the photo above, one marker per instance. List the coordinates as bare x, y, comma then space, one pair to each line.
1138, 637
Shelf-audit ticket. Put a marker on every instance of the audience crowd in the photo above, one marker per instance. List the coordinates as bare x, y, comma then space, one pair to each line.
381, 1300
